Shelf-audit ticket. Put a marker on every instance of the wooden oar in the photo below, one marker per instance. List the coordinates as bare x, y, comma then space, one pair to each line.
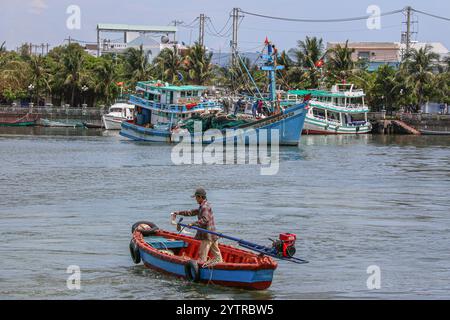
246, 244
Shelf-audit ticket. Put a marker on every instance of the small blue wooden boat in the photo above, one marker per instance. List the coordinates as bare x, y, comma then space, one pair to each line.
177, 254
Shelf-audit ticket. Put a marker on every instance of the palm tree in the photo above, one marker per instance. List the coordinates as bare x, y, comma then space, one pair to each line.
170, 65
441, 88
307, 54
385, 87
198, 63
106, 76
74, 69
3, 47
340, 61
39, 76
137, 65
418, 71
284, 60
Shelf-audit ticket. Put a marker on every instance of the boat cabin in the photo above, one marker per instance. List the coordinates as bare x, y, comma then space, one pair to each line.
122, 110
162, 104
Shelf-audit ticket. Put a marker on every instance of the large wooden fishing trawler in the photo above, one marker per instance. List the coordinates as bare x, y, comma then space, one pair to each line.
162, 109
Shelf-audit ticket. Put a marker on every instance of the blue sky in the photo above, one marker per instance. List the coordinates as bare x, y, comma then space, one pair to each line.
42, 21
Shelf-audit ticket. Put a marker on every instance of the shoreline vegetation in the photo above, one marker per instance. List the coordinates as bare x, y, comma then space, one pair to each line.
69, 75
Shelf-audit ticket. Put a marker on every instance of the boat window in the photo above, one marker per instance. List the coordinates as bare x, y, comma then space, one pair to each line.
319, 113
333, 116
115, 110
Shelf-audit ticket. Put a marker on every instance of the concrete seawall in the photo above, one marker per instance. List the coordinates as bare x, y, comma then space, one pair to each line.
54, 113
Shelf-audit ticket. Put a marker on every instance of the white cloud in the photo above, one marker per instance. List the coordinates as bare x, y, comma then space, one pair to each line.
37, 6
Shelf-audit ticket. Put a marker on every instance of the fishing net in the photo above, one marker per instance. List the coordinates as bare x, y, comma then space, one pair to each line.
220, 121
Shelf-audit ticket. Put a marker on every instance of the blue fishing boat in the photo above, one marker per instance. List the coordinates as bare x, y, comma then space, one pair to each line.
161, 110
177, 254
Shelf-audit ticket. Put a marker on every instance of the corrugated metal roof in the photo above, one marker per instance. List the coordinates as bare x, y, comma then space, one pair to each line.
135, 28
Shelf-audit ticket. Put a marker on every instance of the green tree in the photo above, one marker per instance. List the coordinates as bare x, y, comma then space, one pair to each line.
137, 65
106, 78
169, 65
308, 53
198, 63
74, 69
417, 70
340, 62
39, 76
14, 76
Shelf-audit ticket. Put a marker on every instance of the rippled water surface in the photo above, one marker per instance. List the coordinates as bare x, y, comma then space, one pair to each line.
69, 197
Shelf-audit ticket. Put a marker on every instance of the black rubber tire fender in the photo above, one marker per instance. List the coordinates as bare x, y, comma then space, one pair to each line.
134, 252
153, 228
192, 271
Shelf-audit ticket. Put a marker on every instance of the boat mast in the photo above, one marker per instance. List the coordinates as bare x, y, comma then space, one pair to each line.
271, 67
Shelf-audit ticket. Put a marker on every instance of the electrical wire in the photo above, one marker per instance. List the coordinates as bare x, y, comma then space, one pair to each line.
214, 33
323, 20
191, 23
320, 31
223, 28
431, 15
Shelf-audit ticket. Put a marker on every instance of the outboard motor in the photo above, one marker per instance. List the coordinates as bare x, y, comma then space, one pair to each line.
285, 245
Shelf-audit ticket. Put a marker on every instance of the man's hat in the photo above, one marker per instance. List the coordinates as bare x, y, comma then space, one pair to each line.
199, 192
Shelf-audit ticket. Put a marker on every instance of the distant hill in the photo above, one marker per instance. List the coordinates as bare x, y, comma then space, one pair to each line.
224, 58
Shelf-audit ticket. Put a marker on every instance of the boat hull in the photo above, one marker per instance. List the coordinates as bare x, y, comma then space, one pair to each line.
240, 268
18, 124
112, 123
434, 133
289, 125
12, 120
245, 279
139, 133
313, 126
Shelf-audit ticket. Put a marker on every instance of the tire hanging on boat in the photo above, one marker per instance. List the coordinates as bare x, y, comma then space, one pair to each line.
134, 252
153, 228
192, 271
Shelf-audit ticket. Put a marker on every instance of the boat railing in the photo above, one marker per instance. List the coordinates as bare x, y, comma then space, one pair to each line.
174, 108
340, 107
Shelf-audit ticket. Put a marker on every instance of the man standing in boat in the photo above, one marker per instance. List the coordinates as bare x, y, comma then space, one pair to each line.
205, 220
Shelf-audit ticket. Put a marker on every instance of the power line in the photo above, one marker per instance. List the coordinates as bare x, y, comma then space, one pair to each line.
223, 28
323, 20
319, 31
191, 23
215, 33
431, 15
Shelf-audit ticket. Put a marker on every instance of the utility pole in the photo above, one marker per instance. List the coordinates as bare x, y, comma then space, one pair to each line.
201, 35
175, 23
234, 39
408, 30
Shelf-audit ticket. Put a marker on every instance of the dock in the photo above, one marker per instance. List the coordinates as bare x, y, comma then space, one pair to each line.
406, 123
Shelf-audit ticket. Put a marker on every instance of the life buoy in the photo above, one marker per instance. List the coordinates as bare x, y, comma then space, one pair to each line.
192, 271
134, 252
145, 227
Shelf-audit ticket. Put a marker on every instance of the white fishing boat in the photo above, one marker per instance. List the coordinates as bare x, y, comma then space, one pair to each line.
117, 114
339, 111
